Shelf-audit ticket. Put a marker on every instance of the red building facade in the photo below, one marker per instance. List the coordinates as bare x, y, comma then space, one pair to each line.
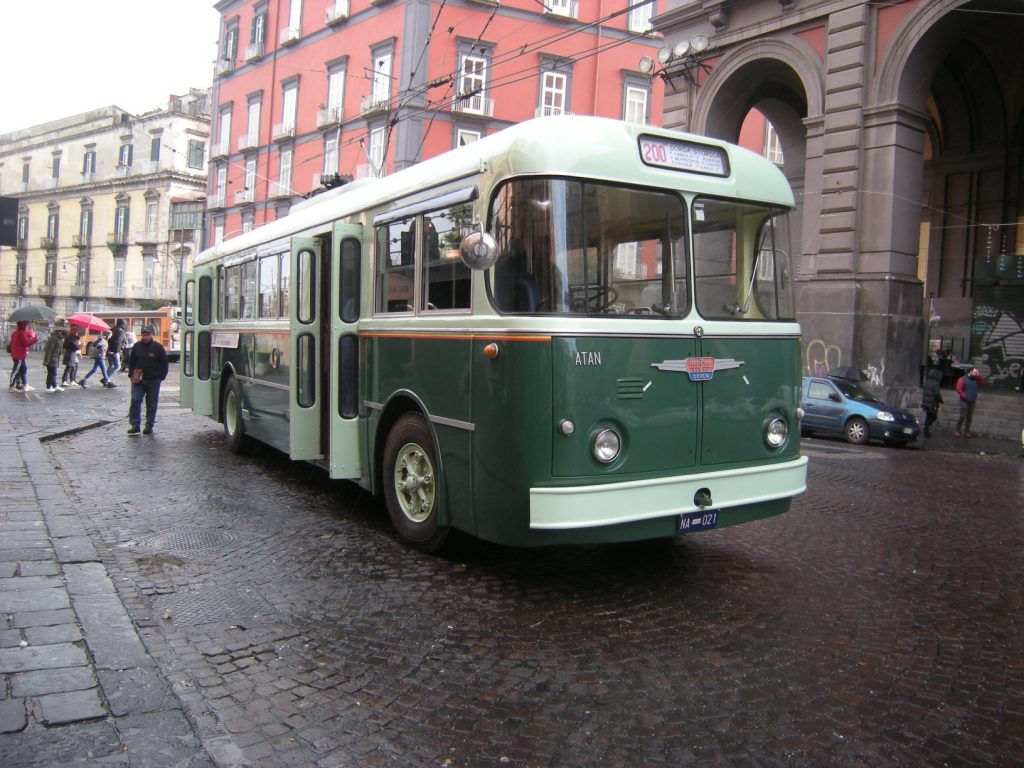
311, 93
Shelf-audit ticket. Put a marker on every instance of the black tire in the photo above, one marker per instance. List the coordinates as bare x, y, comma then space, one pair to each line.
857, 431
234, 425
412, 484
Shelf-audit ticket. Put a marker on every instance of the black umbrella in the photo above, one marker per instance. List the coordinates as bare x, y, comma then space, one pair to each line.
32, 313
848, 372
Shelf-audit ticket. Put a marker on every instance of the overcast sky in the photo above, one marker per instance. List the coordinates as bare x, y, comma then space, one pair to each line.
64, 57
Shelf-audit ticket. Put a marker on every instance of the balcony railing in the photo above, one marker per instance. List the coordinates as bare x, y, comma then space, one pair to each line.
47, 290
474, 105
80, 290
328, 116
80, 241
243, 196
337, 13
246, 141
254, 51
224, 66
117, 238
19, 289
567, 9
283, 131
279, 190
47, 242
147, 236
216, 200
22, 243
373, 103
221, 149
289, 35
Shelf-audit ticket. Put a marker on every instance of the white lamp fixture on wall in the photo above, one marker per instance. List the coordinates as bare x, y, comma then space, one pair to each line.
685, 58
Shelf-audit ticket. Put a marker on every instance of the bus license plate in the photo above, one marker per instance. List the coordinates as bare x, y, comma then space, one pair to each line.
692, 522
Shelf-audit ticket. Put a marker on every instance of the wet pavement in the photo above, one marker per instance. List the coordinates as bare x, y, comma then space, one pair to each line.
165, 602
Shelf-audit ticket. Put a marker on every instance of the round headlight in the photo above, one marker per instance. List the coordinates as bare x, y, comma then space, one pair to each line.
606, 446
776, 432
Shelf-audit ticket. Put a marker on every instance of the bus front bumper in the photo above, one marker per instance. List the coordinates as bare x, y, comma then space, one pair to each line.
588, 506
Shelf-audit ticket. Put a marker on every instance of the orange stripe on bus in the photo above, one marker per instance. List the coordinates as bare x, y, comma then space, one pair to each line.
468, 337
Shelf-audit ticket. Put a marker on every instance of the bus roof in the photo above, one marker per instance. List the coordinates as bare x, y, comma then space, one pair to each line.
568, 145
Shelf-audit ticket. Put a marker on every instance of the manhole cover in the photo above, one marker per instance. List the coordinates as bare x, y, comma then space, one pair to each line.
188, 539
213, 604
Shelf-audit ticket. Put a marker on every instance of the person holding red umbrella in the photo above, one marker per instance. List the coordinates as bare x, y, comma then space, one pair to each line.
21, 340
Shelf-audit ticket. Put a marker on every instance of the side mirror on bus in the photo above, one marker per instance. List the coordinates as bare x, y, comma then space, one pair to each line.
479, 250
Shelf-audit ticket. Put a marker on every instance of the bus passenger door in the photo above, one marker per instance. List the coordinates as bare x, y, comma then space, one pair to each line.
346, 269
187, 329
204, 378
305, 401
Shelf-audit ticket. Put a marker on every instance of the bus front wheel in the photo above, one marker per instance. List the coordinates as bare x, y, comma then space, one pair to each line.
411, 484
234, 425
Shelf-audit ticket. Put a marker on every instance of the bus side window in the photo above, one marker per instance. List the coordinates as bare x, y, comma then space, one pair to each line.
395, 267
446, 278
349, 288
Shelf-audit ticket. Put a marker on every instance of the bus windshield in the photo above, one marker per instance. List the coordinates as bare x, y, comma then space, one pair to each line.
741, 258
583, 248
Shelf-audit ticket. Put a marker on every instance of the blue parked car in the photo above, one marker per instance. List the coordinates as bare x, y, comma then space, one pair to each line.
842, 407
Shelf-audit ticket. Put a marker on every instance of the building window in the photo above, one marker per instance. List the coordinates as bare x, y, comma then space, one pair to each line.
119, 273
464, 137
196, 153
187, 215
220, 189
248, 221
121, 220
229, 50
772, 145
53, 223
55, 167
224, 132
124, 156
50, 275
377, 151
554, 86
289, 107
26, 169
634, 104
284, 173
82, 271
89, 164
640, 17
252, 129
22, 229
249, 192
85, 226
565, 8
335, 95
258, 27
472, 82
149, 271
218, 231
152, 212
380, 94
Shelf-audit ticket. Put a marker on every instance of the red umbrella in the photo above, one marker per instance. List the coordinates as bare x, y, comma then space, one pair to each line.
86, 320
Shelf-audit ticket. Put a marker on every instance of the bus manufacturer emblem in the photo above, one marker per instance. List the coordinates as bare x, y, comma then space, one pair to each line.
698, 368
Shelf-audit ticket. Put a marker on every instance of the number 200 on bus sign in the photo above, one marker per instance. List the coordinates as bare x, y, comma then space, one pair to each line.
684, 156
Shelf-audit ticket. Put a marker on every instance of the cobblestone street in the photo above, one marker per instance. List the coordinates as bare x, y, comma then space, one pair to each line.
876, 624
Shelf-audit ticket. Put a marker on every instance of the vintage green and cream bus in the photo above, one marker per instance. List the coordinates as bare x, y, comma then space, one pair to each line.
573, 330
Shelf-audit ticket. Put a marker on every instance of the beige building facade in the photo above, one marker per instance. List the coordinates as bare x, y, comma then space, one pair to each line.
901, 125
110, 207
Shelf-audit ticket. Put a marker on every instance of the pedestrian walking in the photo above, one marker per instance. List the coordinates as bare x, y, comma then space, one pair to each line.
23, 338
99, 353
129, 342
967, 391
931, 399
148, 364
114, 348
52, 353
72, 354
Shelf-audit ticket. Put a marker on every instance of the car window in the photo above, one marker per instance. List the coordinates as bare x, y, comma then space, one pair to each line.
819, 390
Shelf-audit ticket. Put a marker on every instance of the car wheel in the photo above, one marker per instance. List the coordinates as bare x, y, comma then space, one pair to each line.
412, 484
857, 431
234, 424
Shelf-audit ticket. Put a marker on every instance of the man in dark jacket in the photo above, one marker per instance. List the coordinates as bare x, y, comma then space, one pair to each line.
148, 365
931, 399
114, 348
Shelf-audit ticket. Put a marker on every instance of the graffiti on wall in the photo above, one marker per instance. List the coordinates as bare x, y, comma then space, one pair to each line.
821, 357
1000, 337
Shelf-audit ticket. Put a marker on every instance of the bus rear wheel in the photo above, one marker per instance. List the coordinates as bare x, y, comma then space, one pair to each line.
411, 484
234, 424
